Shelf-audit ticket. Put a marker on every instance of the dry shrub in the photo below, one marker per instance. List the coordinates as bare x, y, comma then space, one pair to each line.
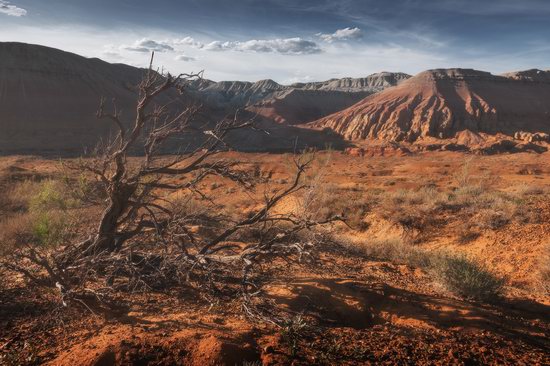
468, 278
351, 205
526, 190
14, 198
14, 230
494, 217
467, 232
463, 177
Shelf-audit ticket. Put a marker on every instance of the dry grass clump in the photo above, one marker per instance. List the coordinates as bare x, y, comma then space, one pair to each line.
468, 278
467, 232
15, 197
494, 209
477, 207
393, 249
414, 209
526, 190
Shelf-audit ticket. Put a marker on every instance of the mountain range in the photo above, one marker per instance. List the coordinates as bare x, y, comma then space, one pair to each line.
48, 101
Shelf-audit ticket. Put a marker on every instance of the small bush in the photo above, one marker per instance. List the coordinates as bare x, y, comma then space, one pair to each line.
292, 332
467, 233
320, 202
48, 230
468, 278
48, 197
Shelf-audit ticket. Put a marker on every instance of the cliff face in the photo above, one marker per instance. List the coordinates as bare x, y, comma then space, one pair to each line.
233, 94
439, 103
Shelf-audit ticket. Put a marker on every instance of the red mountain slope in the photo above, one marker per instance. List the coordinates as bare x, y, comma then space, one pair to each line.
439, 103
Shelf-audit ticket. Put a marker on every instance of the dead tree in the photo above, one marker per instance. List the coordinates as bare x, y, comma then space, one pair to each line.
131, 190
135, 191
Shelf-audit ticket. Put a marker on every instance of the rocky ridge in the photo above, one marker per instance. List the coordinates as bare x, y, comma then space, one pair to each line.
443, 102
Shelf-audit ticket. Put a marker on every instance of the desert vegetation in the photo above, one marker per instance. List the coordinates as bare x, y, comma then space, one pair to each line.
396, 227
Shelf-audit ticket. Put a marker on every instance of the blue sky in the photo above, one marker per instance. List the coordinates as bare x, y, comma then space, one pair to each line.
290, 40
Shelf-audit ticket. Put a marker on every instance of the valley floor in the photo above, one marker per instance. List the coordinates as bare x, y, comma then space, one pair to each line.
372, 294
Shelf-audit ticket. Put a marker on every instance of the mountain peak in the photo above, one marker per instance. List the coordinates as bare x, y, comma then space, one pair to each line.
441, 102
529, 75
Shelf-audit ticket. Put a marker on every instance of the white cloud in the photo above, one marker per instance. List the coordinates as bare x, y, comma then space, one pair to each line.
187, 41
184, 58
148, 45
7, 8
338, 59
345, 34
286, 46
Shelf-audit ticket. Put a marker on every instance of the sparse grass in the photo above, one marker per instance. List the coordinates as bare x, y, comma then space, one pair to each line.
467, 232
39, 217
393, 249
323, 201
526, 190
460, 275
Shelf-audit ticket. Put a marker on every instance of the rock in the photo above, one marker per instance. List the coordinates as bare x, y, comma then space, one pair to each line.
532, 137
469, 138
386, 150
510, 146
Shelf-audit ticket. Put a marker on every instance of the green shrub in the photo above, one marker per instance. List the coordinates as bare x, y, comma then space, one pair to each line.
48, 230
292, 332
468, 278
48, 197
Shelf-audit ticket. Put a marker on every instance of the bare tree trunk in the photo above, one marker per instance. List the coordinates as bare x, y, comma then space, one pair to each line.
108, 238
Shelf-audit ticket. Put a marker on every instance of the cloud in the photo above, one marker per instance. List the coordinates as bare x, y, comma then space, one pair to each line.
286, 46
184, 58
345, 34
187, 41
7, 8
149, 45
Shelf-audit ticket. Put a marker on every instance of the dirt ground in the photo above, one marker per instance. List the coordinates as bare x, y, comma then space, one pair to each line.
344, 306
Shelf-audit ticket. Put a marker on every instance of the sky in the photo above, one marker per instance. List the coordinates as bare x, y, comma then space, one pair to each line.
290, 40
